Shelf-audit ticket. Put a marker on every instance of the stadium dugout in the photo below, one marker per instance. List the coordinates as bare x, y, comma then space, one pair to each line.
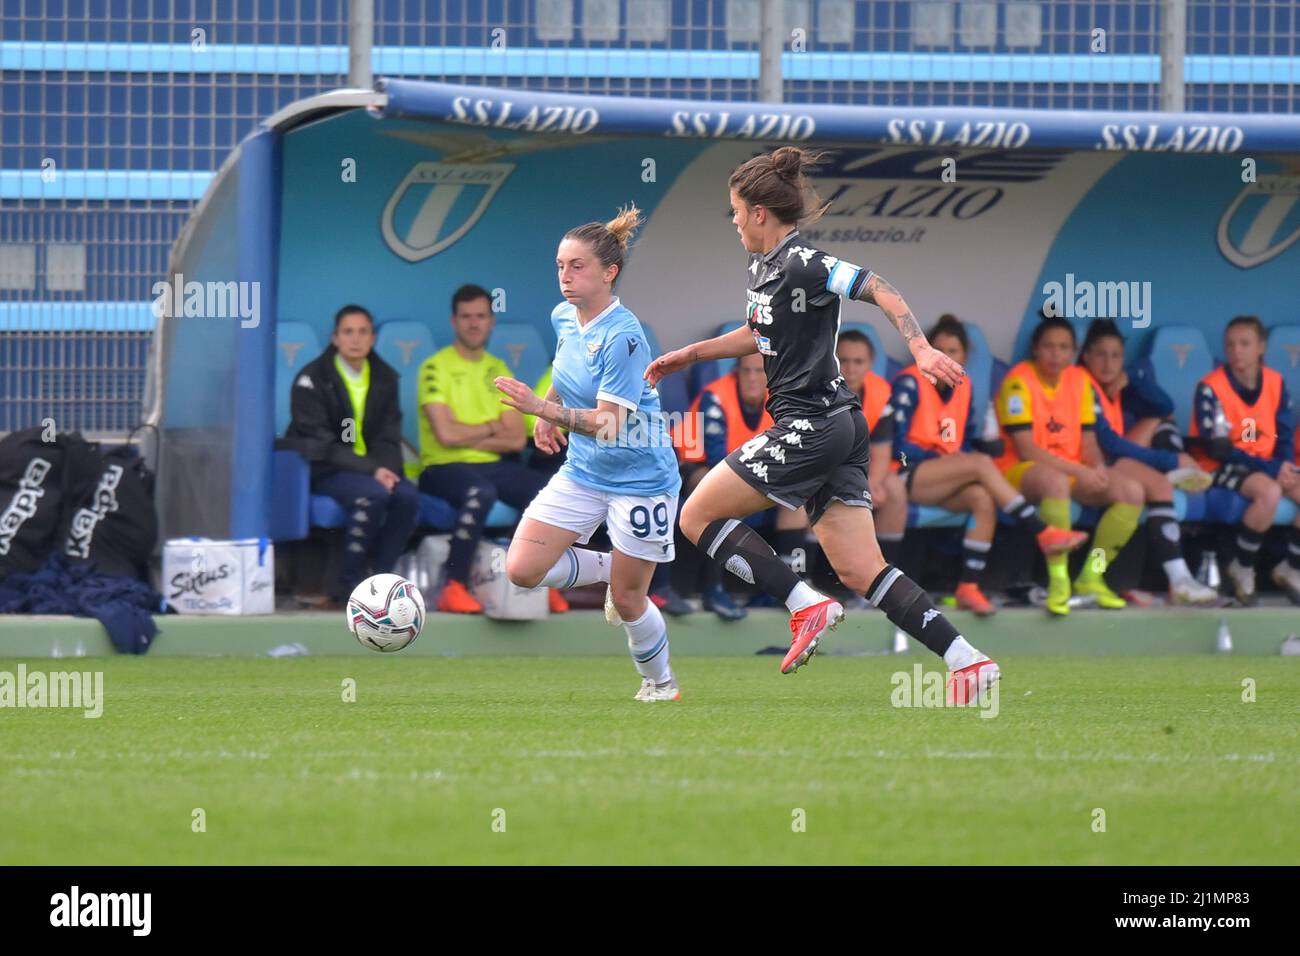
392, 197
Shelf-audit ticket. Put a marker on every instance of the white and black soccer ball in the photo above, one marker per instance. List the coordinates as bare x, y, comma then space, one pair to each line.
386, 612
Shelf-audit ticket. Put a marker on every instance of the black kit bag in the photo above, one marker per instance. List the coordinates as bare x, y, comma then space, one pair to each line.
31, 499
108, 513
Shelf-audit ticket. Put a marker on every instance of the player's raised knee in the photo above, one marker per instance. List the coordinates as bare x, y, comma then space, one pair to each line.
521, 573
692, 521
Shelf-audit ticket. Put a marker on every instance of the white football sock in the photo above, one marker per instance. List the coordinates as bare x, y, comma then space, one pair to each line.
647, 642
576, 567
801, 597
1177, 571
960, 654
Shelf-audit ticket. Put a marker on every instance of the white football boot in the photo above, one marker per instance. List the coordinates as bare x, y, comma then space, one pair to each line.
652, 691
1192, 592
611, 612
1243, 582
1288, 579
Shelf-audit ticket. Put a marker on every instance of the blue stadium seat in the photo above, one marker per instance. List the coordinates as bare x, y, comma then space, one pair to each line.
435, 514
1220, 506
290, 496
405, 345
928, 516
1284, 355
702, 373
673, 396
296, 345
1216, 506
1000, 369
881, 364
520, 346
980, 368
1180, 357
721, 366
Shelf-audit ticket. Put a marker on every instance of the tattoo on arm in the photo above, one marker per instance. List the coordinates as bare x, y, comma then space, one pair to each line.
879, 292
583, 421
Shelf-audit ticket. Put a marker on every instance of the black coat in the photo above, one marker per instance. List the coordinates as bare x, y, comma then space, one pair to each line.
319, 403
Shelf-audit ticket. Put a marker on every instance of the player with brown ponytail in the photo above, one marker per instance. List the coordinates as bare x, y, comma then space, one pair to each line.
816, 455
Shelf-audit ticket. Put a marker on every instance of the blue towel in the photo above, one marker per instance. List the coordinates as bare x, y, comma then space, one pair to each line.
124, 605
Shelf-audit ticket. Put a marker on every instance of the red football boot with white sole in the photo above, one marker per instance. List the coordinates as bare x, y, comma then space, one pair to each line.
971, 684
807, 627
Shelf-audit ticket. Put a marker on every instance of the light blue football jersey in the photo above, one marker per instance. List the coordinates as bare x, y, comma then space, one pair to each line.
606, 361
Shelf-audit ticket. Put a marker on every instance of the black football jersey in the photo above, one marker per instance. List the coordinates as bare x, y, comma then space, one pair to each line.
793, 312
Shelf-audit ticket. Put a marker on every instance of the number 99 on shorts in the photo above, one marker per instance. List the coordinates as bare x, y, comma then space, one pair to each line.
642, 527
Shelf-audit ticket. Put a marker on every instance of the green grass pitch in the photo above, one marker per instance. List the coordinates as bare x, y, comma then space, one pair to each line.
508, 760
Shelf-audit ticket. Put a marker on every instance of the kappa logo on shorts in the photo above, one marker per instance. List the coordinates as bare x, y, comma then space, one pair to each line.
759, 468
790, 438
801, 424
777, 452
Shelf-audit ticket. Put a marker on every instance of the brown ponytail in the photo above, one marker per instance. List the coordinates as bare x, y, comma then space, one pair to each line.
778, 181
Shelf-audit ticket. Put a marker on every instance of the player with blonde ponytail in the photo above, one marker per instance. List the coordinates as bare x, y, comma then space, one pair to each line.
620, 469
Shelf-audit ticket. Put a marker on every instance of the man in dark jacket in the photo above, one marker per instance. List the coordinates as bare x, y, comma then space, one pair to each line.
347, 423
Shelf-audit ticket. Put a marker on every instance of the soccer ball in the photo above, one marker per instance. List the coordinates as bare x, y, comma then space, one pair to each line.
386, 612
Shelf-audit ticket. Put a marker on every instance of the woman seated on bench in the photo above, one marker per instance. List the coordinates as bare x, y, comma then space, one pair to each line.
1102, 358
1048, 421
935, 450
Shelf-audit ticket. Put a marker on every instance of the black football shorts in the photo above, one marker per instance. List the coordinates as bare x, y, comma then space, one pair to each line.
810, 462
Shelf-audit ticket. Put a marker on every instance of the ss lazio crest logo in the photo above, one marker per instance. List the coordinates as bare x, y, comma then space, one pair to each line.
415, 219
1270, 210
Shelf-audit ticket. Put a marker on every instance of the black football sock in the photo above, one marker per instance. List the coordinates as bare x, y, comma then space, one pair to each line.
911, 609
740, 549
